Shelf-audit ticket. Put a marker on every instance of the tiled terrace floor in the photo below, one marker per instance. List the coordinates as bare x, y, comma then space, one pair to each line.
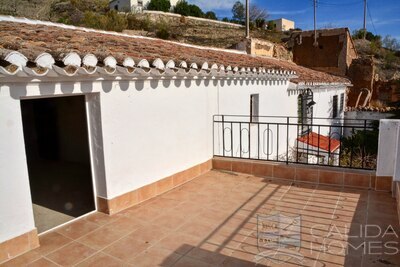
212, 221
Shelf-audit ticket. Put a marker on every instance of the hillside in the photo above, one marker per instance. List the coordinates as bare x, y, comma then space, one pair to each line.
387, 62
35, 9
95, 14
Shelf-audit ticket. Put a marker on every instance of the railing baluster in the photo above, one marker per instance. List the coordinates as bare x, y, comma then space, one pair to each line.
277, 142
329, 146
340, 145
351, 150
240, 141
231, 139
363, 146
268, 141
287, 141
319, 134
258, 140
297, 144
223, 135
308, 144
249, 141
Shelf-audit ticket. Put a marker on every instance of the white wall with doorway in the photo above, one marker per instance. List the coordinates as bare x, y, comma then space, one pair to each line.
140, 130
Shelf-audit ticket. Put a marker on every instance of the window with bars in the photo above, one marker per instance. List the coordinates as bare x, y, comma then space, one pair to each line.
254, 107
335, 106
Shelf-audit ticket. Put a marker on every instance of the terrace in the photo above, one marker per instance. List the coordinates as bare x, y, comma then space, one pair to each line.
258, 205
212, 221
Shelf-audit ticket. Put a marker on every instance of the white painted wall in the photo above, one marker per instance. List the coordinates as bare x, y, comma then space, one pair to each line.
16, 214
388, 149
133, 5
141, 131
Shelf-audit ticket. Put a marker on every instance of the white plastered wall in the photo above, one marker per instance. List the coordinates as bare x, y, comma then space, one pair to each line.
140, 131
389, 149
16, 215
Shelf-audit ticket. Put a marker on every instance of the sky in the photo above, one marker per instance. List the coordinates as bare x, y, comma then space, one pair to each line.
383, 16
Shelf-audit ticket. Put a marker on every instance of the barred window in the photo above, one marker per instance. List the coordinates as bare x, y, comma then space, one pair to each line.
335, 106
254, 107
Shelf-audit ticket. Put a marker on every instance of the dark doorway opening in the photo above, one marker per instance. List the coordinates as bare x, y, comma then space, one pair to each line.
58, 157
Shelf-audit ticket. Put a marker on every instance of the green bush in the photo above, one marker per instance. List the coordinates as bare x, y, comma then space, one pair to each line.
359, 34
390, 59
135, 23
162, 30
159, 5
111, 21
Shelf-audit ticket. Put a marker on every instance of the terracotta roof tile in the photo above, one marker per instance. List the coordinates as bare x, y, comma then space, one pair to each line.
321, 141
33, 39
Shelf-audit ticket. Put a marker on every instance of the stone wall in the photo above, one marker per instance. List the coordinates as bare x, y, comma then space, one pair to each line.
361, 73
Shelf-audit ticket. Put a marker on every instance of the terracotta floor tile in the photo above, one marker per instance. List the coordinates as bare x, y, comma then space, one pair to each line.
24, 259
212, 221
101, 260
187, 261
102, 237
170, 220
179, 242
145, 213
156, 257
102, 218
43, 262
52, 241
127, 225
77, 229
72, 253
164, 203
207, 255
127, 248
150, 234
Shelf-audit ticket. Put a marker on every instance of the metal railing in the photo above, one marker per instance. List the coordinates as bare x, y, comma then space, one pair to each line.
346, 143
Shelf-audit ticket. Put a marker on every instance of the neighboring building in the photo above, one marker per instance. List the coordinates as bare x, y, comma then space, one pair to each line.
132, 5
92, 120
256, 47
283, 25
334, 52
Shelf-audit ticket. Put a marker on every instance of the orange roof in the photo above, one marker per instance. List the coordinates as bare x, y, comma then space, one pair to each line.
32, 39
321, 141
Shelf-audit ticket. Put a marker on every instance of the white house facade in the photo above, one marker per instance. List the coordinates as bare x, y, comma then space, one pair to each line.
133, 5
126, 116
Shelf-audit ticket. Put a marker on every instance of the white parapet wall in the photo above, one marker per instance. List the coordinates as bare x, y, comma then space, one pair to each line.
389, 149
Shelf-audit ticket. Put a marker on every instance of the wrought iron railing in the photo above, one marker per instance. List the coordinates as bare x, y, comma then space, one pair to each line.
328, 142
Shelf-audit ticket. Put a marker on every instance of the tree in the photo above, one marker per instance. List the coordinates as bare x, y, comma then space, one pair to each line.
210, 15
159, 5
260, 23
225, 19
183, 8
257, 13
195, 11
271, 26
238, 11
391, 43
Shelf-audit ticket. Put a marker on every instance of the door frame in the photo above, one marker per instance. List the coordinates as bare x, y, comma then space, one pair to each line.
90, 127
